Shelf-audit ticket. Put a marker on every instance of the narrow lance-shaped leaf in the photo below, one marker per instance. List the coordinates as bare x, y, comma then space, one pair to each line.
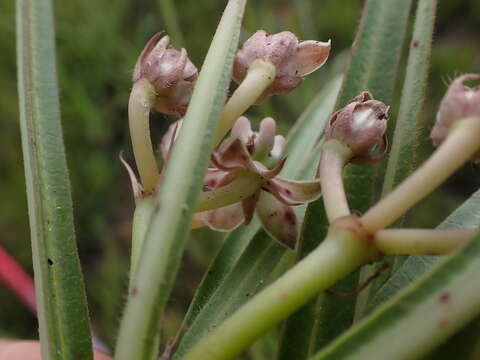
251, 260
176, 198
60, 292
373, 67
401, 160
421, 316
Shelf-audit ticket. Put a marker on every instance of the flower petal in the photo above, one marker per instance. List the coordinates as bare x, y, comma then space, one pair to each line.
136, 186
215, 178
248, 206
278, 220
292, 192
224, 219
137, 71
231, 155
166, 145
309, 57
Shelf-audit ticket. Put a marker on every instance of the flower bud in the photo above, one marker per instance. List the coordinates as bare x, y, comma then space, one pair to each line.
361, 125
292, 60
459, 102
170, 71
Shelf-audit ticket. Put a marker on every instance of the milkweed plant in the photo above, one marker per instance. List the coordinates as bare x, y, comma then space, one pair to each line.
300, 213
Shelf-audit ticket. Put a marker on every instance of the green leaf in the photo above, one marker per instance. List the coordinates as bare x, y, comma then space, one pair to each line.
402, 157
467, 216
168, 229
169, 15
62, 309
373, 67
247, 260
419, 318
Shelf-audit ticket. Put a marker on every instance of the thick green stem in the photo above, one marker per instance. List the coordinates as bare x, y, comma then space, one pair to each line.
342, 252
335, 156
141, 219
259, 77
239, 189
141, 101
421, 241
461, 144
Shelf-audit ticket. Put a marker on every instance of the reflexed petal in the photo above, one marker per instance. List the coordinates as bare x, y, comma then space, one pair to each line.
309, 57
224, 219
215, 178
292, 192
136, 186
248, 206
278, 220
169, 138
231, 155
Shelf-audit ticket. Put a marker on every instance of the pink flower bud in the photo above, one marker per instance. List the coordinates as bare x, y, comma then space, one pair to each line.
360, 125
170, 71
293, 60
459, 102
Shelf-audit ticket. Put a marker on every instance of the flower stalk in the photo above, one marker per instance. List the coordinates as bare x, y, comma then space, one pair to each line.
142, 99
460, 145
334, 157
421, 241
260, 75
345, 249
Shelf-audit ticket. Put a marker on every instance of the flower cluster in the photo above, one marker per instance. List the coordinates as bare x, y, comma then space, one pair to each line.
258, 153
292, 59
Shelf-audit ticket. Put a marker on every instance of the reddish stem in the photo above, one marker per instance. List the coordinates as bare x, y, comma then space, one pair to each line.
17, 279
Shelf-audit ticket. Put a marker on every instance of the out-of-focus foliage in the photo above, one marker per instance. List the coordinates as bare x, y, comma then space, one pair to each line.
97, 45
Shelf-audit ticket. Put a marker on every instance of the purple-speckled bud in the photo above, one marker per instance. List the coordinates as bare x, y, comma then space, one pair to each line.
292, 60
170, 71
459, 102
361, 125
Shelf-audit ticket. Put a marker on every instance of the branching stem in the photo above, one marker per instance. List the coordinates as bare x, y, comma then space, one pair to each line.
461, 144
421, 241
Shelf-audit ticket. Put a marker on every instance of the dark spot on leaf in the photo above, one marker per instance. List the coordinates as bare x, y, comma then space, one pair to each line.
444, 297
157, 208
134, 291
50, 262
415, 43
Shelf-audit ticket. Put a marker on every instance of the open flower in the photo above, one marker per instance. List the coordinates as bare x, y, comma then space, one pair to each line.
170, 71
361, 125
292, 60
459, 102
248, 158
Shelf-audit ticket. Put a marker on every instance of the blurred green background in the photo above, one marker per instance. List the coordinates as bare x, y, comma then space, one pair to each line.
97, 45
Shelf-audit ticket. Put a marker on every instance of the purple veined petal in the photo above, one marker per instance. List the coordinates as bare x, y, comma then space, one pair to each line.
232, 154
266, 173
292, 192
248, 206
215, 178
278, 220
224, 219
